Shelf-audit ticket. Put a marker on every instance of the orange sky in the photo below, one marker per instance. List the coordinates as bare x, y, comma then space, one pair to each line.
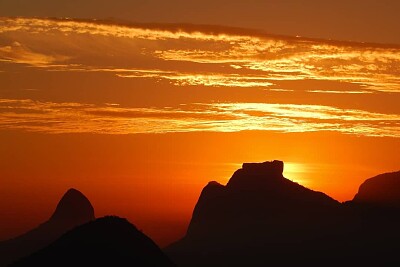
140, 116
155, 179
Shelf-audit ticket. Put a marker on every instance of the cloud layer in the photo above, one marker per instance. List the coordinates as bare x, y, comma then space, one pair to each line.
201, 57
57, 118
196, 55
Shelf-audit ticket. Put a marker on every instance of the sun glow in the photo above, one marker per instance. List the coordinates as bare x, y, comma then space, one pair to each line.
295, 172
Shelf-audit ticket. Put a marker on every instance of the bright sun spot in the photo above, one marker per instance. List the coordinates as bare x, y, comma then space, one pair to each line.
295, 172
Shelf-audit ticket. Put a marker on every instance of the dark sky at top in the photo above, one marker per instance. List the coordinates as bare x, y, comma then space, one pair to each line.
357, 20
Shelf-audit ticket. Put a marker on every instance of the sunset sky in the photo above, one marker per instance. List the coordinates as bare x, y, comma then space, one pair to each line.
138, 104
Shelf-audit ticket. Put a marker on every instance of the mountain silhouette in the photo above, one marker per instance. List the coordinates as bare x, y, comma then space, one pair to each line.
73, 209
108, 241
261, 218
381, 190
261, 196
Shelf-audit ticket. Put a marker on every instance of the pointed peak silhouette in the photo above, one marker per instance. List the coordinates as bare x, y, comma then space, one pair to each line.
72, 210
213, 184
73, 207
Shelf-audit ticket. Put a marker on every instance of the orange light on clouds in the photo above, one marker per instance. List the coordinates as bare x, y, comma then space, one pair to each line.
57, 118
244, 60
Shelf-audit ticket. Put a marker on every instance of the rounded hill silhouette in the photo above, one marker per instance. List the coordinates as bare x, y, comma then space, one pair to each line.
108, 241
382, 190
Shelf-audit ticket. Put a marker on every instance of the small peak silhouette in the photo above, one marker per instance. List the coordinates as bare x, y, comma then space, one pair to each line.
72, 210
107, 241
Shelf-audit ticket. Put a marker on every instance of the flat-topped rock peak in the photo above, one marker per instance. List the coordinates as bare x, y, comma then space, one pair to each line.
254, 175
267, 167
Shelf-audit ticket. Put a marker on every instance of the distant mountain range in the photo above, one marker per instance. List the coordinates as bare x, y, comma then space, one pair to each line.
259, 218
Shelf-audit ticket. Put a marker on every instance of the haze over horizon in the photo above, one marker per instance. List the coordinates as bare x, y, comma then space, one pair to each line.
142, 109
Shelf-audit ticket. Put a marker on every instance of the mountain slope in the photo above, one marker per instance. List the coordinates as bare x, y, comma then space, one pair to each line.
108, 241
73, 209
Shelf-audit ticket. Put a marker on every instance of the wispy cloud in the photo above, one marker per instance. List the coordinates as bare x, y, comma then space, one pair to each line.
372, 68
56, 118
17, 53
209, 79
197, 55
339, 92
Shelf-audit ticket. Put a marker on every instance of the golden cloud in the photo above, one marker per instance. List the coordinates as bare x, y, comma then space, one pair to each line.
58, 118
215, 56
17, 53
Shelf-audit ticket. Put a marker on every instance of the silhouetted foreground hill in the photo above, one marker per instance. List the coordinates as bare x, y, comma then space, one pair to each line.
262, 219
73, 209
108, 241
